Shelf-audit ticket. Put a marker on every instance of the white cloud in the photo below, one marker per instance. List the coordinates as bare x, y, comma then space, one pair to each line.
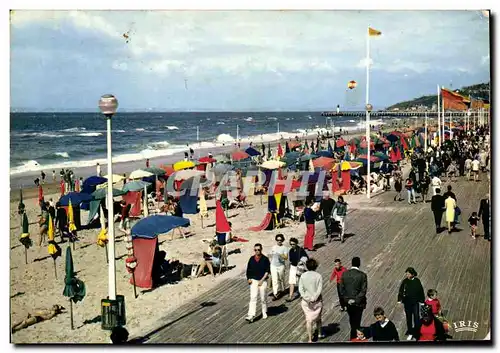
485, 60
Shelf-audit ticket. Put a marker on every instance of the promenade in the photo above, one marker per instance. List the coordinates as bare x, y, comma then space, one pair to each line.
388, 236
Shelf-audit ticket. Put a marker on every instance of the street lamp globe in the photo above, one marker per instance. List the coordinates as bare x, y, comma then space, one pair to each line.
108, 104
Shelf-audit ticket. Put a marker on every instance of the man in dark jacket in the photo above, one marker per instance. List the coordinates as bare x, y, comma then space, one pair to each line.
484, 213
437, 207
353, 287
258, 270
326, 208
61, 220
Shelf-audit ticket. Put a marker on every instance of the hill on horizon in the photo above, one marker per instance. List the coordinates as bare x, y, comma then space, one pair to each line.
481, 90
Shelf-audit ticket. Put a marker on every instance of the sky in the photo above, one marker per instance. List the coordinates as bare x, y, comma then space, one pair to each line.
240, 60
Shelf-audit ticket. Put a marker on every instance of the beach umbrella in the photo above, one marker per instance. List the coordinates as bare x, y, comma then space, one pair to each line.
292, 145
155, 171
381, 155
53, 249
239, 155
291, 157
287, 147
364, 144
76, 198
74, 289
152, 226
115, 177
135, 185
210, 159
25, 236
203, 207
100, 194
221, 158
392, 138
347, 165
183, 165
363, 158
102, 238
139, 174
307, 157
269, 155
40, 193
355, 140
323, 162
169, 169
272, 164
252, 152
325, 153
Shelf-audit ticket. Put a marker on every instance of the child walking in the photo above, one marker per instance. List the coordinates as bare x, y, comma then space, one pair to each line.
473, 221
433, 301
338, 270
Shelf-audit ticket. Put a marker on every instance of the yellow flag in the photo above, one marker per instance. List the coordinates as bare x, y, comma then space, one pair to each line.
373, 32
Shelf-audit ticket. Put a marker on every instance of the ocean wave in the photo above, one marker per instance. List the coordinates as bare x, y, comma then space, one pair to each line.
62, 154
248, 119
173, 127
90, 134
221, 123
74, 129
158, 145
272, 118
140, 129
222, 138
118, 130
38, 134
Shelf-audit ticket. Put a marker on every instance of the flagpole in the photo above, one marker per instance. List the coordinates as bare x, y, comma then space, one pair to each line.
367, 111
442, 113
425, 143
438, 113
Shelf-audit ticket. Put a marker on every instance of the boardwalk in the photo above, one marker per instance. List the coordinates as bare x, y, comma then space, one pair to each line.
388, 237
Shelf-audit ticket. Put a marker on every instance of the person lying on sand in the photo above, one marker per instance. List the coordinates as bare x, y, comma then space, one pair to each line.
38, 316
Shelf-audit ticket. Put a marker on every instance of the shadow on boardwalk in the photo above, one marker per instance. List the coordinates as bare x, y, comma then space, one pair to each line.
389, 237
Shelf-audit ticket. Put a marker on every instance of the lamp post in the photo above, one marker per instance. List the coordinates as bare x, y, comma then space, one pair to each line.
113, 308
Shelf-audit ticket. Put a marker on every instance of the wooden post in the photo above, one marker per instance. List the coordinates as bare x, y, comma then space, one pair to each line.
201, 217
133, 279
25, 255
107, 258
71, 313
55, 268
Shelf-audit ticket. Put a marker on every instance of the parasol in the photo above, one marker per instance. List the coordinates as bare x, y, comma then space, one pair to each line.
152, 226
347, 165
252, 152
323, 162
116, 178
135, 185
307, 157
169, 169
53, 249
207, 159
325, 153
188, 173
100, 194
183, 165
239, 155
271, 164
155, 171
25, 236
139, 174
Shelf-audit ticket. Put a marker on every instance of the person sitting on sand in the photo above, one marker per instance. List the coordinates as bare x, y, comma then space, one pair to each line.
211, 259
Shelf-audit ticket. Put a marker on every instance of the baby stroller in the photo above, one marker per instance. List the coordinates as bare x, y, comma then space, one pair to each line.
337, 231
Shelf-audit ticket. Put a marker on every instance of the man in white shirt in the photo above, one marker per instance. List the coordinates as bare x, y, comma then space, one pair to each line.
98, 169
475, 169
279, 254
436, 184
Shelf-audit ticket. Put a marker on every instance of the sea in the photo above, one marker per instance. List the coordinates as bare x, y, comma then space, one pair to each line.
51, 141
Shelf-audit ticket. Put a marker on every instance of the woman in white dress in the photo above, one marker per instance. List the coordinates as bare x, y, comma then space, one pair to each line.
310, 287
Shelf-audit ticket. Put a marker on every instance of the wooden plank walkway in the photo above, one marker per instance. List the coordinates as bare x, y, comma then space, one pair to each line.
388, 236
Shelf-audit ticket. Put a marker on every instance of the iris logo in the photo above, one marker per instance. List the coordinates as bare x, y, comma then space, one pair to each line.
461, 326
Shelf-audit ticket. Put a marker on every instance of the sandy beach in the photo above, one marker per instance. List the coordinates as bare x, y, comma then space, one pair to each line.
34, 285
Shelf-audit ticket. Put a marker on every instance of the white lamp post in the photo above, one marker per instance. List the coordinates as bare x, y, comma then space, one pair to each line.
108, 105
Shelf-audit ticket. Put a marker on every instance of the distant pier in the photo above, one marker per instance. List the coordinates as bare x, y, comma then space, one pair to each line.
395, 114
